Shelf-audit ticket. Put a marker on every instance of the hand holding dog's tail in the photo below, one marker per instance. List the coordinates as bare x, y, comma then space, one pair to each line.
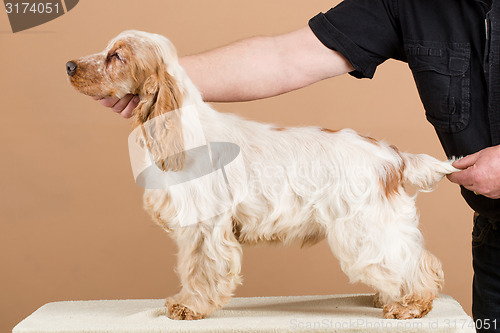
480, 172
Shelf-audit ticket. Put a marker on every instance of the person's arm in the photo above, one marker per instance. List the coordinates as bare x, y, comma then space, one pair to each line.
261, 67
255, 68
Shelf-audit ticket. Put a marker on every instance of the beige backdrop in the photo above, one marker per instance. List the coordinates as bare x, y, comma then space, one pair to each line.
72, 224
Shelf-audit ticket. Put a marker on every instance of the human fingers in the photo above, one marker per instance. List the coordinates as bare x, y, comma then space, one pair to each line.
122, 103
129, 109
466, 161
109, 101
464, 177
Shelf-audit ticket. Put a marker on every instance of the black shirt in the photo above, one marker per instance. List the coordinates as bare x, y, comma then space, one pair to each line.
453, 50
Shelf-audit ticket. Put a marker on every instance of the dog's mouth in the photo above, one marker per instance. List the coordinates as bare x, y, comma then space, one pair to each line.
87, 85
88, 89
78, 76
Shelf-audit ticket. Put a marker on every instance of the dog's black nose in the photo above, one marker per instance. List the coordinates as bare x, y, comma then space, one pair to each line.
71, 68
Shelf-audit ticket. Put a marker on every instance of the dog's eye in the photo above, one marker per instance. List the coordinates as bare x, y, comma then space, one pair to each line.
115, 55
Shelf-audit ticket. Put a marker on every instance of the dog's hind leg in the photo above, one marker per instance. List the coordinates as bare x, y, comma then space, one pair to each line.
366, 257
382, 247
209, 263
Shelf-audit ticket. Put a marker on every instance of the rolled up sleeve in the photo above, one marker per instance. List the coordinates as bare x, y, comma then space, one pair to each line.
365, 32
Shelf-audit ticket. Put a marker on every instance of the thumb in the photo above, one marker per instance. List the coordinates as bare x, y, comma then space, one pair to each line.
463, 177
466, 161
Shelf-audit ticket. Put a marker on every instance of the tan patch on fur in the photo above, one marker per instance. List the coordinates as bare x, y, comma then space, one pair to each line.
159, 95
237, 230
392, 181
370, 139
327, 130
278, 129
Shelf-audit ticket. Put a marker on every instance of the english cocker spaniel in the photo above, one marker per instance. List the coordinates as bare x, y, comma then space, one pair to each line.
215, 182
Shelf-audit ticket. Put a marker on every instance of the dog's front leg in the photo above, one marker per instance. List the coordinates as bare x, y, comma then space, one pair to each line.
209, 264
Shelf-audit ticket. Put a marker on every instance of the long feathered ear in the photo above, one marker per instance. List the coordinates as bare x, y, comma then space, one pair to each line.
159, 115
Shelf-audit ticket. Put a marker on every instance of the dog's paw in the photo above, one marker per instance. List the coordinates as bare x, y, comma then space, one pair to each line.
397, 310
178, 311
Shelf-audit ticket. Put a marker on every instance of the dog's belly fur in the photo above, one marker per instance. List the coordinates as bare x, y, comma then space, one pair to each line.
304, 230
250, 226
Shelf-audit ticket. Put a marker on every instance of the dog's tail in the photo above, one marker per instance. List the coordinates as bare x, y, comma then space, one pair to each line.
425, 171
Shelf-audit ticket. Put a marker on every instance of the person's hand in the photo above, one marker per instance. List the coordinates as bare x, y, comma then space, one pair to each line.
124, 106
480, 172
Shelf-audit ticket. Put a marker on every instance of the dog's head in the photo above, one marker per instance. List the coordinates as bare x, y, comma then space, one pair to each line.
144, 64
134, 62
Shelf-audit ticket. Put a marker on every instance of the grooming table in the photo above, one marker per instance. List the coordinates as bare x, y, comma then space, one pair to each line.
337, 313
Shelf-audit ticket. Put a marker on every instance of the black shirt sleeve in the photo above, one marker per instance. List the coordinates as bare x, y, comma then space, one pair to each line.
364, 31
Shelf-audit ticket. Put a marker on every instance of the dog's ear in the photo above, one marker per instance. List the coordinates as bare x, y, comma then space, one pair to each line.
148, 96
159, 114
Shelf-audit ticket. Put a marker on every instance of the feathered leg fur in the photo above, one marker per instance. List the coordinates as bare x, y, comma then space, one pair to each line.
209, 264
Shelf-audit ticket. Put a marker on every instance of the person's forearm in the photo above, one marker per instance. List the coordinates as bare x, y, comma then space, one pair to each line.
261, 67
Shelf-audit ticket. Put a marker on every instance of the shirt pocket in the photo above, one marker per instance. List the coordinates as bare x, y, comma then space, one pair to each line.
442, 75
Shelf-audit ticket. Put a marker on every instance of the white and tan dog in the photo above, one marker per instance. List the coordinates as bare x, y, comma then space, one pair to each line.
291, 185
